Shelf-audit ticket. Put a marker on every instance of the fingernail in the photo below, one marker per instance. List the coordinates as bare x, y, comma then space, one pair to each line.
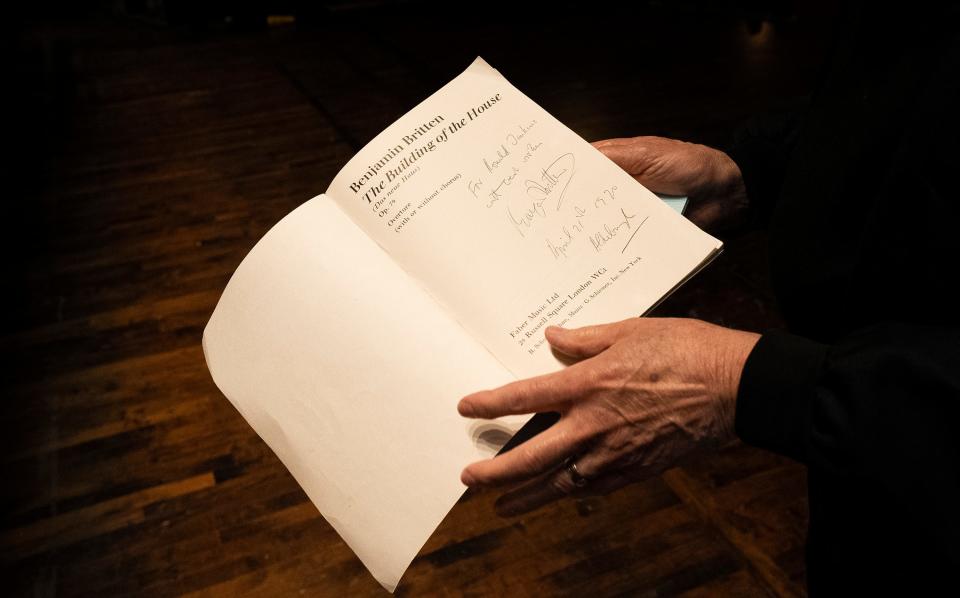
464, 408
467, 478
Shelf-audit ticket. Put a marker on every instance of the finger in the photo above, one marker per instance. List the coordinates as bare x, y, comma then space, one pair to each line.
539, 454
545, 490
604, 484
617, 473
537, 493
645, 165
705, 215
632, 157
608, 142
588, 341
547, 392
557, 484
604, 458
617, 141
559, 481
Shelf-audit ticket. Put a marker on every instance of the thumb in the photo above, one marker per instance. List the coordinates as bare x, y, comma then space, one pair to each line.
649, 164
587, 341
602, 143
623, 155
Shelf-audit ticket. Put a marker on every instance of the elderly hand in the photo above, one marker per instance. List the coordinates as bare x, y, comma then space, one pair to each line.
647, 392
712, 181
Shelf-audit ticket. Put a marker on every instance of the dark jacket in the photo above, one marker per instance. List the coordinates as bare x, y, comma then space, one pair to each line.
860, 192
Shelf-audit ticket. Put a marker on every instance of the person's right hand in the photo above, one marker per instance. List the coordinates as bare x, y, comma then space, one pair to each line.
709, 177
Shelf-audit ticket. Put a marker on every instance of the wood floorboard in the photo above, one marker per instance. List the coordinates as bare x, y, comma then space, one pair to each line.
128, 473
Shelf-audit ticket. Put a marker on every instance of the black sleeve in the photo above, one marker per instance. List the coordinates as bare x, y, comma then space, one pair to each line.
761, 148
882, 405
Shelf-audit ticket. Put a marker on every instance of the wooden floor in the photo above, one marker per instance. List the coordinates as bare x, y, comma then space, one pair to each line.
167, 154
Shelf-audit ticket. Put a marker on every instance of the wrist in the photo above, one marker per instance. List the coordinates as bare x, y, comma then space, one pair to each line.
732, 359
719, 195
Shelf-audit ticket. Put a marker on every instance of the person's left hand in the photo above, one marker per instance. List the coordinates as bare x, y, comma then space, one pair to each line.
648, 392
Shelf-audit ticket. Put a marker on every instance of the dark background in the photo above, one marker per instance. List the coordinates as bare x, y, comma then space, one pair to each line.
150, 144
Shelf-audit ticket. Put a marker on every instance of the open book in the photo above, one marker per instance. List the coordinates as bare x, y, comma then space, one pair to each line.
429, 270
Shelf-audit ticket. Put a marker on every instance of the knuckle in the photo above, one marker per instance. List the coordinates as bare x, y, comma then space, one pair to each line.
601, 375
562, 484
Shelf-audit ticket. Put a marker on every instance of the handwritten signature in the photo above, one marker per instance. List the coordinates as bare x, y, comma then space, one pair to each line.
556, 176
600, 238
551, 177
568, 233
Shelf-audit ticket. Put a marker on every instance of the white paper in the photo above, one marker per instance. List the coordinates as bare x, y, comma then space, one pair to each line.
350, 332
351, 374
512, 221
